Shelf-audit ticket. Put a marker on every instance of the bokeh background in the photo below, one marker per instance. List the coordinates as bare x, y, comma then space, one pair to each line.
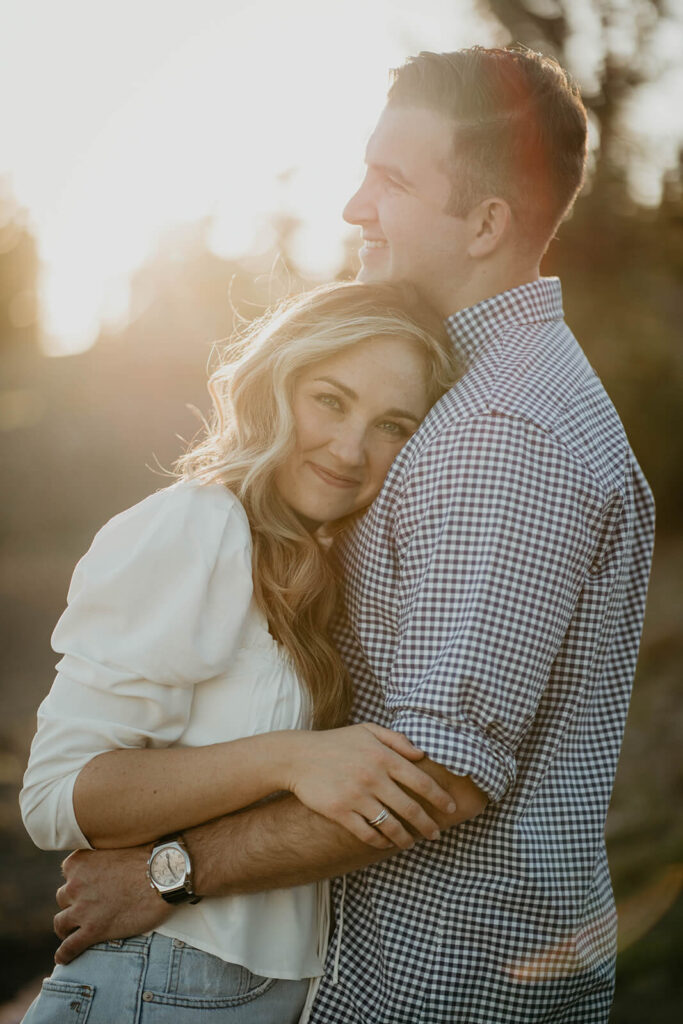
167, 167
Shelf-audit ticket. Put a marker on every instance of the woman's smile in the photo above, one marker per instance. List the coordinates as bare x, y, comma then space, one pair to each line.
332, 478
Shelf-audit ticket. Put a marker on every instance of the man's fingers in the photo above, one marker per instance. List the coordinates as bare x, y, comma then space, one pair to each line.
63, 900
64, 923
72, 860
71, 947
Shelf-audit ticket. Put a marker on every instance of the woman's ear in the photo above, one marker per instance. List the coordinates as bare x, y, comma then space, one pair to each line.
490, 223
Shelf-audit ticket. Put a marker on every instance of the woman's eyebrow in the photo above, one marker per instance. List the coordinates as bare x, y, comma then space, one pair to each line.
403, 414
349, 392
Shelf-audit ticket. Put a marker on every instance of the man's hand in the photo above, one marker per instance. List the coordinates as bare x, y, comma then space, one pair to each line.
106, 896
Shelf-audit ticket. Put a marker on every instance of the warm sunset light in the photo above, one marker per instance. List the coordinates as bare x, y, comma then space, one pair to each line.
403, 475
131, 118
126, 120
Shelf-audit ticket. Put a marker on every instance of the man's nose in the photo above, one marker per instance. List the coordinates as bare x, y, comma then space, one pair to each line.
360, 208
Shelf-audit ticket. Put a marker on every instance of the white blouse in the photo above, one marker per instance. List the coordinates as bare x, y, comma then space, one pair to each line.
164, 645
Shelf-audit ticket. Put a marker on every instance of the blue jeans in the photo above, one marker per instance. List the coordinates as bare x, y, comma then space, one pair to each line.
151, 979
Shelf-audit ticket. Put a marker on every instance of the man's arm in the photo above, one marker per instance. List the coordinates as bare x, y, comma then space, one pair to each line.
275, 845
493, 536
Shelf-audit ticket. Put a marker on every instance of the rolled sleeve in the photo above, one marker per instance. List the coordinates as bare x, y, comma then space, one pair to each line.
155, 607
464, 750
494, 535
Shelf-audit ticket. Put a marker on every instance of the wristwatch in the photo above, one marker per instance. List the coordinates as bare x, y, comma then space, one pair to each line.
169, 870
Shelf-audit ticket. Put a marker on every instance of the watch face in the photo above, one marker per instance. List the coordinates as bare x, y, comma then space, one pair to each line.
168, 867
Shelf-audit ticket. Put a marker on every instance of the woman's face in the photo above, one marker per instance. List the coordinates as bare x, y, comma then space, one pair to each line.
352, 413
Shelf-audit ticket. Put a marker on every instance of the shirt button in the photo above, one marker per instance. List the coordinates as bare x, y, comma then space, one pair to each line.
148, 996
178, 943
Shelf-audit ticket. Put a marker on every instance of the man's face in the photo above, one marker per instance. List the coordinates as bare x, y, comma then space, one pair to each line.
400, 205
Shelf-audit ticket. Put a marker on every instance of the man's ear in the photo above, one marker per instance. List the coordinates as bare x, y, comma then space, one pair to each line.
490, 223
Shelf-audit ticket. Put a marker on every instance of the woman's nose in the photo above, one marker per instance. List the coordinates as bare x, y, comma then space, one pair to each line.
348, 445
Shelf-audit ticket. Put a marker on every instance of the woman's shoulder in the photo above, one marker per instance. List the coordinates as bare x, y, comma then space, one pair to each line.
177, 537
187, 501
186, 514
164, 576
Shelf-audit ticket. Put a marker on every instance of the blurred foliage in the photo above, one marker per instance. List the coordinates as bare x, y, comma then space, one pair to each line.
621, 264
85, 436
617, 50
18, 273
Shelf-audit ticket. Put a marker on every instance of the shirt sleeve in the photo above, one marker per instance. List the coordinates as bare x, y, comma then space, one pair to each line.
494, 536
155, 606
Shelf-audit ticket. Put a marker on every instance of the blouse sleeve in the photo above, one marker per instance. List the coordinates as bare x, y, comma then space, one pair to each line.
155, 606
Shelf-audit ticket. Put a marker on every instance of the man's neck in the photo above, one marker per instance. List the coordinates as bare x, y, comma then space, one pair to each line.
487, 281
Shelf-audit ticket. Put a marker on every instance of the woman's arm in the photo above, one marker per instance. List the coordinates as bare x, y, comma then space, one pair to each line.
131, 796
106, 894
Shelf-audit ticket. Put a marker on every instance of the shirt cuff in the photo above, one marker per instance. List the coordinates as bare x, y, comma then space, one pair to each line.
47, 809
462, 748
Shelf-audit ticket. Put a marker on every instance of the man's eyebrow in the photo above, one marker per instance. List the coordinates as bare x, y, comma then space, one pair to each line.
403, 414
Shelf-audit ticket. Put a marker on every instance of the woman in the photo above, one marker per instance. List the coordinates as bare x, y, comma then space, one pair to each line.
196, 660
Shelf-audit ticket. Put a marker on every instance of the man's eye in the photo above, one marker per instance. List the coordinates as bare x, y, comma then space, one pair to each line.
393, 184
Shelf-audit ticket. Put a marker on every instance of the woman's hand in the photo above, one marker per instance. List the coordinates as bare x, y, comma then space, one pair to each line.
349, 775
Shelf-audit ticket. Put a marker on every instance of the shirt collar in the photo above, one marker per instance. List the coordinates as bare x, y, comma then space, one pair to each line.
473, 329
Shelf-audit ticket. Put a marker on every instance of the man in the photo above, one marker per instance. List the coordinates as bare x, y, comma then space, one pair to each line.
495, 595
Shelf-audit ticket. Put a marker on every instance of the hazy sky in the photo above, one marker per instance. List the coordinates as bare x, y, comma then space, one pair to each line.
120, 119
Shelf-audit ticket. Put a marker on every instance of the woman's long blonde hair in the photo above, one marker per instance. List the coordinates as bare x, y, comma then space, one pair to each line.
252, 431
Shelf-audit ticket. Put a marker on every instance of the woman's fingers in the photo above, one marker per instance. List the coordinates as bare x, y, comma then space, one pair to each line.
358, 826
392, 828
408, 774
395, 741
410, 811
424, 785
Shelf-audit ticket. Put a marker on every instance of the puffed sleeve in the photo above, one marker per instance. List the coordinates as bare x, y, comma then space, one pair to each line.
155, 606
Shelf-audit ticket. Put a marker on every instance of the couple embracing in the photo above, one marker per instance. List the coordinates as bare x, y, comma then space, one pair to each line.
416, 511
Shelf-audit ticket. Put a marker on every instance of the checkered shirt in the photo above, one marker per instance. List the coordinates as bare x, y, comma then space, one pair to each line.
495, 595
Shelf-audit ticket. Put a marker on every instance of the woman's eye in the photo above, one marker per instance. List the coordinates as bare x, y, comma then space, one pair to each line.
393, 429
330, 401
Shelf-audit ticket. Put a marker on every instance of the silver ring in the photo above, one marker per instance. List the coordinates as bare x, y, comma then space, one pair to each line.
381, 817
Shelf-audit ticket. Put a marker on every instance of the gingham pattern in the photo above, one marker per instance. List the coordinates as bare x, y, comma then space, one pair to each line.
495, 596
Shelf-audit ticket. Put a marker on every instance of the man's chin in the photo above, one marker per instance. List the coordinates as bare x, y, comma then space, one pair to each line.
373, 275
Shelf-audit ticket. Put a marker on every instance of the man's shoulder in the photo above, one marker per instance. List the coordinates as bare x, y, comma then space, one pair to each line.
537, 382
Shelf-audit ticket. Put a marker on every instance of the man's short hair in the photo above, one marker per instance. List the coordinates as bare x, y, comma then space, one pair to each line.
519, 130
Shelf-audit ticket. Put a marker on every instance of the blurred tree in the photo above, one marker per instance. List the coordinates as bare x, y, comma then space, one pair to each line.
620, 255
18, 274
626, 57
